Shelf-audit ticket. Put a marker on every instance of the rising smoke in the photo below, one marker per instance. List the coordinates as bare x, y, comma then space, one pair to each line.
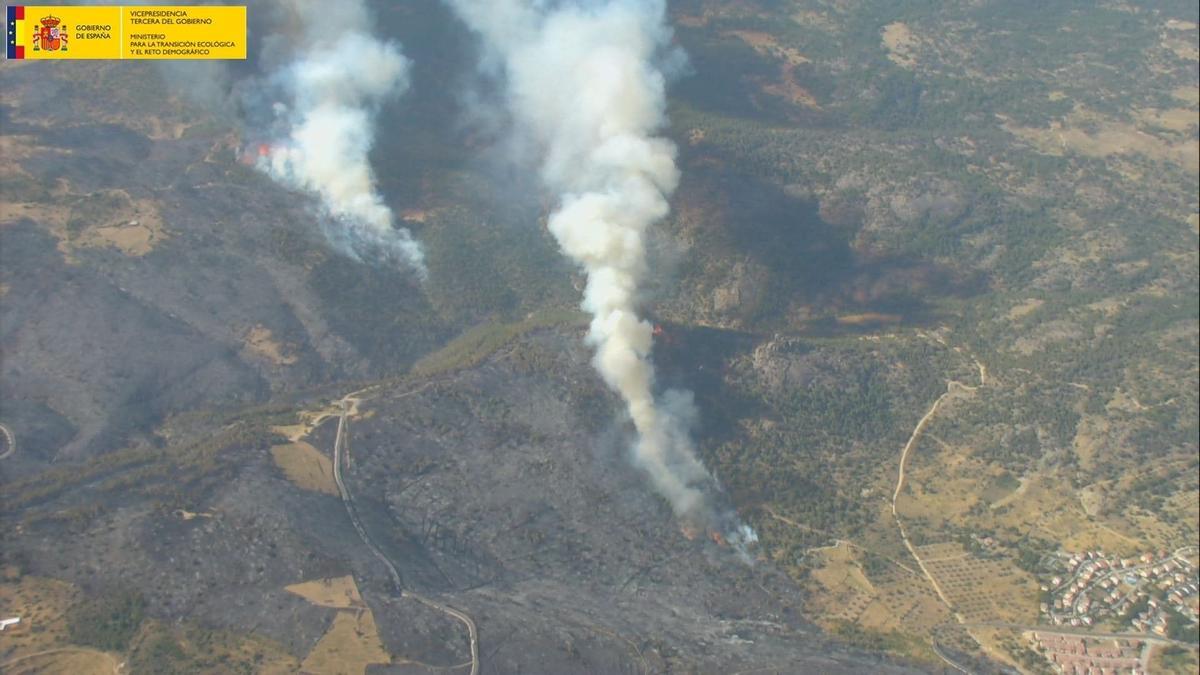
586, 84
324, 127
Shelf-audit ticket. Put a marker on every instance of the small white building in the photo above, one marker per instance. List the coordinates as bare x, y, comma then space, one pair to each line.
5, 623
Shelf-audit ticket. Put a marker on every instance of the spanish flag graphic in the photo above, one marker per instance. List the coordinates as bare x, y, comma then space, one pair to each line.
15, 22
63, 32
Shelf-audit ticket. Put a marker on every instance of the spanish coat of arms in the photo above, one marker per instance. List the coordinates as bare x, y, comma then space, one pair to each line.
50, 36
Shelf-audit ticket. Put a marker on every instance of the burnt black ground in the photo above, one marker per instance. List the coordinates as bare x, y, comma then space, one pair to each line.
494, 493
502, 491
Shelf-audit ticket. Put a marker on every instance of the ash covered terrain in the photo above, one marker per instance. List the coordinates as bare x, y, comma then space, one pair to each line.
524, 516
929, 272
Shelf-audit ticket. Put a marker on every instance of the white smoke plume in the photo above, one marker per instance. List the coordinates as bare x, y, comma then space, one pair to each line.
585, 84
334, 87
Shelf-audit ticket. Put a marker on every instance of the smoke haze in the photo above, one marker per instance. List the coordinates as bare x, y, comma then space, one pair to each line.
324, 129
586, 85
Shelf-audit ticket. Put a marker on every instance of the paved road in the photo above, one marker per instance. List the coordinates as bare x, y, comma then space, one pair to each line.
348, 500
1071, 631
10, 441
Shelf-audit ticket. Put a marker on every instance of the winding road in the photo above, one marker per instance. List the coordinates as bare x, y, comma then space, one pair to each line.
349, 404
10, 441
952, 387
908, 447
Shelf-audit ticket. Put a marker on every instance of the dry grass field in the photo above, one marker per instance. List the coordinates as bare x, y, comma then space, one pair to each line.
351, 643
1156, 137
305, 466
982, 590
73, 660
890, 598
39, 644
42, 605
946, 482
338, 593
261, 343
348, 647
195, 649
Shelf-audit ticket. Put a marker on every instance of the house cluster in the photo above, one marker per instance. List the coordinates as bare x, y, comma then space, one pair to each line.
1073, 655
1144, 593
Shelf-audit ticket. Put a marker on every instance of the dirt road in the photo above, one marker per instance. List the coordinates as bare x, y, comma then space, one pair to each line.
116, 665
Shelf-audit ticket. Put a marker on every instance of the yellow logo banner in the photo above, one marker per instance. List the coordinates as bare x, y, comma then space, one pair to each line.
124, 32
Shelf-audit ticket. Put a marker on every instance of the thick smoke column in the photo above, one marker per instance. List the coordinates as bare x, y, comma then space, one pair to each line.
584, 85
335, 87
